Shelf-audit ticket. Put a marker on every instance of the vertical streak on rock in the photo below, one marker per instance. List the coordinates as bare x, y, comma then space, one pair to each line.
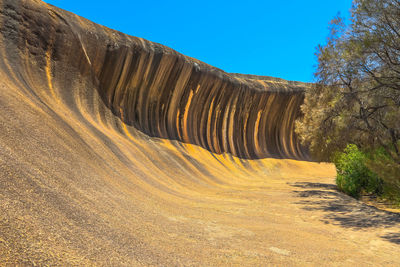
185, 119
48, 73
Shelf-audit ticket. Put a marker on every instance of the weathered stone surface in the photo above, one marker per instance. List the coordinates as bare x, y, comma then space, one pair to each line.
118, 151
158, 90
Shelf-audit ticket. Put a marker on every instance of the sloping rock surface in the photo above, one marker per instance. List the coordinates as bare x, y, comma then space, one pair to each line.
118, 151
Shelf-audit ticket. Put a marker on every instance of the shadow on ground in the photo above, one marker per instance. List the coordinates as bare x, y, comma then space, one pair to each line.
392, 237
344, 210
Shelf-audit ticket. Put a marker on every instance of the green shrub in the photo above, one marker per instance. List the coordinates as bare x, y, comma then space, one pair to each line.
353, 176
389, 170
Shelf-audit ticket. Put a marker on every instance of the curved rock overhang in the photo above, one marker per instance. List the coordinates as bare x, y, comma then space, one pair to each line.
152, 87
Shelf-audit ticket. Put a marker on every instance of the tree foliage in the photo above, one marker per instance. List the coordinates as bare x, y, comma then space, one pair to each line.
356, 98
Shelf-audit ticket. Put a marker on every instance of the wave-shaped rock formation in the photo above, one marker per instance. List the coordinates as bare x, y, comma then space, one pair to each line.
160, 91
118, 151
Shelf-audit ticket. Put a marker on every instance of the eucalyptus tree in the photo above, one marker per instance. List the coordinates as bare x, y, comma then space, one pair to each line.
356, 97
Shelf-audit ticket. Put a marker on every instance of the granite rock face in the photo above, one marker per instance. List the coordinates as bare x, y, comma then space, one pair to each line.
154, 88
116, 151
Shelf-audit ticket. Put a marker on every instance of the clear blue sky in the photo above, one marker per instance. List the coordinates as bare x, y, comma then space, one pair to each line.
263, 37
